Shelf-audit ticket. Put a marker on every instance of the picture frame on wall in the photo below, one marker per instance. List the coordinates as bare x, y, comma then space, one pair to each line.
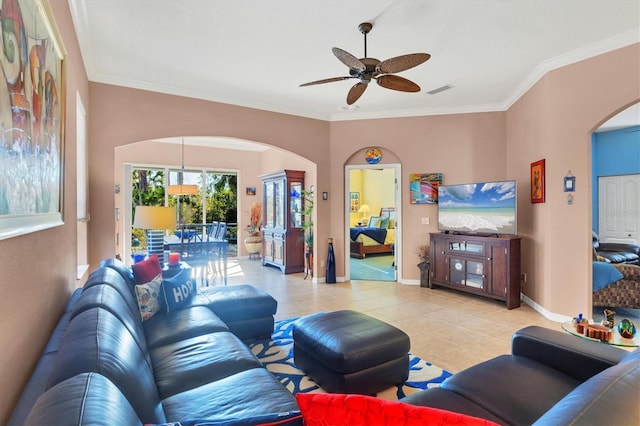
32, 96
538, 181
354, 202
250, 190
423, 187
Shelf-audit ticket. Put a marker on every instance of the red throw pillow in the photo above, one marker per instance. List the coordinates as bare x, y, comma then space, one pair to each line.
325, 409
146, 270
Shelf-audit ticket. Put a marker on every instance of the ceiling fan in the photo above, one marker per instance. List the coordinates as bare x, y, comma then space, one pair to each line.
367, 69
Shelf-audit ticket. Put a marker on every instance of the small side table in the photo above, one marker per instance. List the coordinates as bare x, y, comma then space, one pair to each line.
616, 338
170, 271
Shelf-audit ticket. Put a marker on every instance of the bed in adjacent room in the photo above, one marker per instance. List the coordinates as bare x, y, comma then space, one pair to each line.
377, 237
616, 285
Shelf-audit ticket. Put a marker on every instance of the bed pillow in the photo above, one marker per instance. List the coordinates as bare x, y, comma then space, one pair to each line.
392, 223
384, 223
320, 409
604, 274
148, 297
146, 270
374, 222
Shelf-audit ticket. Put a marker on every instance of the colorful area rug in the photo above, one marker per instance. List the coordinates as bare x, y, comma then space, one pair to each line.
277, 356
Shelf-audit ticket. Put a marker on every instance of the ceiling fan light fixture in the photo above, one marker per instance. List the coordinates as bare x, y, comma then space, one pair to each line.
366, 69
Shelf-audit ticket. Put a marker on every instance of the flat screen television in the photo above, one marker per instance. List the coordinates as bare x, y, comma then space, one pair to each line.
478, 208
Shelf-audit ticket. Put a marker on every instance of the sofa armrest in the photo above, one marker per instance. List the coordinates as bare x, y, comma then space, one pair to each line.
574, 356
619, 247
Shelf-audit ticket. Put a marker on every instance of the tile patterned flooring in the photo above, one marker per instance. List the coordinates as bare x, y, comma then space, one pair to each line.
450, 329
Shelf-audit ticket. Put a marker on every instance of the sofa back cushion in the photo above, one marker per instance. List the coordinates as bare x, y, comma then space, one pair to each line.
112, 278
106, 297
121, 268
87, 398
97, 341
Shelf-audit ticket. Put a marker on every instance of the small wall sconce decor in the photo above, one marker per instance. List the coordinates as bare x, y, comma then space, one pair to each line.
569, 182
325, 196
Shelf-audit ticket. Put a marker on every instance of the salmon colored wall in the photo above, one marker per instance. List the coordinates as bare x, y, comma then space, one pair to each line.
464, 147
121, 116
554, 121
39, 269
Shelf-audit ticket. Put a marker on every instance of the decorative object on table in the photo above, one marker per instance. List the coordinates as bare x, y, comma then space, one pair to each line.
538, 181
307, 231
331, 264
31, 119
174, 259
155, 220
424, 253
627, 329
610, 317
253, 243
354, 202
595, 331
423, 187
373, 156
367, 69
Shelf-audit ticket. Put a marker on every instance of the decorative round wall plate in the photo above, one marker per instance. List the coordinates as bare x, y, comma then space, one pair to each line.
373, 156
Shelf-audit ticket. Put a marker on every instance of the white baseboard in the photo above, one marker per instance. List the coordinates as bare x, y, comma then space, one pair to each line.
542, 311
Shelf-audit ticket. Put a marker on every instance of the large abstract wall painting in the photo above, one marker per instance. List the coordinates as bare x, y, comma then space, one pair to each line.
31, 118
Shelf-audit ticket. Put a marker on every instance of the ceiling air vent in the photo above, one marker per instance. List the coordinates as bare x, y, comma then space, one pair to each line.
439, 89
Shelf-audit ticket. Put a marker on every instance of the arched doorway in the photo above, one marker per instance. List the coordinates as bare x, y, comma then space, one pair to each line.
373, 232
616, 203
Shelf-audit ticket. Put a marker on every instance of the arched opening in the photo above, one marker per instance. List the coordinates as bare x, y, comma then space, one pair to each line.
616, 214
245, 159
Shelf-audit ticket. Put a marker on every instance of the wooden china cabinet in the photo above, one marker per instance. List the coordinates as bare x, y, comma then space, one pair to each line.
282, 234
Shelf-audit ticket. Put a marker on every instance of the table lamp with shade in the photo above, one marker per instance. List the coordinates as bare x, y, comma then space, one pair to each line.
364, 209
155, 220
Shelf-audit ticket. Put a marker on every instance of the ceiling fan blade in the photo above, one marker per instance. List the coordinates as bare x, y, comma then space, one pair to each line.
401, 63
326, 80
356, 91
395, 82
348, 59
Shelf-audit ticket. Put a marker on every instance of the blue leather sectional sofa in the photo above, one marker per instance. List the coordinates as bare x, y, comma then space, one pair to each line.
104, 365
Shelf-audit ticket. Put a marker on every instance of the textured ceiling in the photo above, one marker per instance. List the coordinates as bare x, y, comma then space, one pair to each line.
256, 53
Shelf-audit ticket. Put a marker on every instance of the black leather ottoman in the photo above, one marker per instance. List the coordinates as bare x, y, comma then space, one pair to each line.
349, 352
247, 311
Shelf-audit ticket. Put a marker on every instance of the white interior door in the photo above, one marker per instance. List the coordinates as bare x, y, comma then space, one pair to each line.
619, 208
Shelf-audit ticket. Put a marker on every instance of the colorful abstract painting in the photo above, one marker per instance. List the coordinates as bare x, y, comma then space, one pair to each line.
424, 187
31, 118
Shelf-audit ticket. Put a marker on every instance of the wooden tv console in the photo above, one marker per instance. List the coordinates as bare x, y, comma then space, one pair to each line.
488, 266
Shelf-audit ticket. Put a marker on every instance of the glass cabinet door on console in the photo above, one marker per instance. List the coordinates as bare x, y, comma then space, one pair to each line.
282, 234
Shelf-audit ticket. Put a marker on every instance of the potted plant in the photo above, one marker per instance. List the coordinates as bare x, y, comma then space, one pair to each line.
307, 229
253, 243
424, 253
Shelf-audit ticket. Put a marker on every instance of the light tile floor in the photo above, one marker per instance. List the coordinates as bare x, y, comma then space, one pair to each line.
450, 329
